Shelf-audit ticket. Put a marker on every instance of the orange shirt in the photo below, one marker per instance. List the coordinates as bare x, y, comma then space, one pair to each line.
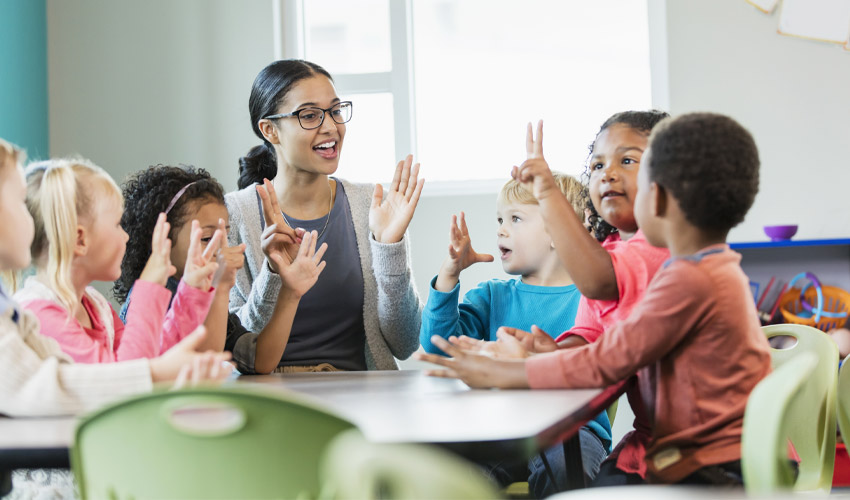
698, 344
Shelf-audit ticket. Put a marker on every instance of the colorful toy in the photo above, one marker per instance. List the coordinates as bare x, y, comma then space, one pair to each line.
831, 311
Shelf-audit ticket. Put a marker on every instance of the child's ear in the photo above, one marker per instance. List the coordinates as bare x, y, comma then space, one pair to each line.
269, 131
659, 200
81, 245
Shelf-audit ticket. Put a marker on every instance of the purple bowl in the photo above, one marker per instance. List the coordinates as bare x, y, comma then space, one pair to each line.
780, 233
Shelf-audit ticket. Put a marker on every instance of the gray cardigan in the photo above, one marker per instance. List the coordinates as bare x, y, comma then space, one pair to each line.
392, 311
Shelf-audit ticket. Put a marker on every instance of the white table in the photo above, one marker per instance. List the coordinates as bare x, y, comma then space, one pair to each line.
388, 406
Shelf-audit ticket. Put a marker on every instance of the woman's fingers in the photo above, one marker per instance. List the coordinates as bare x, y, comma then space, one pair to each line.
397, 176
405, 174
265, 202
411, 182
320, 253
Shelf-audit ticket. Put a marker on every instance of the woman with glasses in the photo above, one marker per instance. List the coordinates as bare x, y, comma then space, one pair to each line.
364, 310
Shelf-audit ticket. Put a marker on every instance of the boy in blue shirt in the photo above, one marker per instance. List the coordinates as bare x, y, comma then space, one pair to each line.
544, 295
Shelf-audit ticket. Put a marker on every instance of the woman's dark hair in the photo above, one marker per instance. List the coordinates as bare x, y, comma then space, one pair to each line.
148, 193
642, 121
269, 89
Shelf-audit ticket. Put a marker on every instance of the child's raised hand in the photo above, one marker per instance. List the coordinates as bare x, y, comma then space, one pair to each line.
201, 264
277, 237
461, 253
534, 173
300, 274
390, 213
233, 258
159, 267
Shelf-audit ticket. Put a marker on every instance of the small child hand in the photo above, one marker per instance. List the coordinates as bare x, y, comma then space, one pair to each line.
534, 174
201, 264
504, 349
461, 255
476, 370
158, 267
535, 341
184, 360
300, 274
233, 259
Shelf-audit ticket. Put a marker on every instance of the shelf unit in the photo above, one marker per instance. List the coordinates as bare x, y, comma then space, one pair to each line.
828, 259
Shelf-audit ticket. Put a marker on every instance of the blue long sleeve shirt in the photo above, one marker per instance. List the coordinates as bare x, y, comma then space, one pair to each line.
497, 303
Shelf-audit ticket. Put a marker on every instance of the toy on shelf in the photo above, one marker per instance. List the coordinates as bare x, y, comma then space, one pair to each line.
830, 309
769, 300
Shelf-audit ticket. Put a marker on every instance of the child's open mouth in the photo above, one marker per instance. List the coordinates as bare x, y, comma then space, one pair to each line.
506, 252
326, 150
610, 195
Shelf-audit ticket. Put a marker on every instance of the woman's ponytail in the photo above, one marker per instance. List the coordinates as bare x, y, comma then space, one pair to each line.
260, 163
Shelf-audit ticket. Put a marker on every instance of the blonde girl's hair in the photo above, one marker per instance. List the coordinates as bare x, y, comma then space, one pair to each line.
10, 157
514, 192
60, 194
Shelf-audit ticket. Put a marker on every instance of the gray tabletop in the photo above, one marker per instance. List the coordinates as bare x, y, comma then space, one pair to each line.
388, 406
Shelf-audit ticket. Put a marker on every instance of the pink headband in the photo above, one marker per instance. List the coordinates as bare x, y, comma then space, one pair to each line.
177, 196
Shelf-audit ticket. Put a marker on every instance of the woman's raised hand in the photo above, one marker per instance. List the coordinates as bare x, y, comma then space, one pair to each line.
302, 273
202, 263
534, 173
391, 213
159, 267
278, 238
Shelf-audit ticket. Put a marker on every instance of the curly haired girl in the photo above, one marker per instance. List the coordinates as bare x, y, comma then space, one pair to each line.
186, 193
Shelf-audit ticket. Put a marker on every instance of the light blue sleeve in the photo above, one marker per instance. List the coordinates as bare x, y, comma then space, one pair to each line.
443, 315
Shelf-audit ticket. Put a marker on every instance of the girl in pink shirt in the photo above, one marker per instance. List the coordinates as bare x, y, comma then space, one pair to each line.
77, 210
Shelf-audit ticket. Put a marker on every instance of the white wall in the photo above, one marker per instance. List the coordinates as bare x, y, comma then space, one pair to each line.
725, 56
135, 83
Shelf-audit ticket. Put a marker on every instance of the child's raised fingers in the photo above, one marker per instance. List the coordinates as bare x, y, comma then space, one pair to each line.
214, 244
538, 143
463, 228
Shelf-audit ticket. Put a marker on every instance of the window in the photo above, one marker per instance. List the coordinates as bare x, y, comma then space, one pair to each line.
456, 81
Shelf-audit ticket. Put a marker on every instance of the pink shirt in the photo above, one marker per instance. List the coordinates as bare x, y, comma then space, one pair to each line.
109, 339
635, 264
697, 344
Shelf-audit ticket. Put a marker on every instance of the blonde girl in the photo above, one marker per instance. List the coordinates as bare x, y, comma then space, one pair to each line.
77, 211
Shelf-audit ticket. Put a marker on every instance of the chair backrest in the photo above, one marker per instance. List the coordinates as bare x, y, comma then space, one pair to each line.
356, 468
773, 411
232, 442
813, 420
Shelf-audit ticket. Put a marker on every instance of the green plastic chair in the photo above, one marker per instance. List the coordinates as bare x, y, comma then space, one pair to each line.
232, 442
356, 468
774, 412
844, 400
811, 421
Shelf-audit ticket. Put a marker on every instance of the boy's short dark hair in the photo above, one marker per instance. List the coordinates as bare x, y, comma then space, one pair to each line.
710, 164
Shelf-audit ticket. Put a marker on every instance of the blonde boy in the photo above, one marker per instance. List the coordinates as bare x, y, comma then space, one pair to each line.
543, 295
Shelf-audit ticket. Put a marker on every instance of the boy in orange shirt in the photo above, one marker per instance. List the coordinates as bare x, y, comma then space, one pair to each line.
694, 340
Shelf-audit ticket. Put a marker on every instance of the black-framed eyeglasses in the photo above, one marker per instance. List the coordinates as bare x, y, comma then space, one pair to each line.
311, 118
